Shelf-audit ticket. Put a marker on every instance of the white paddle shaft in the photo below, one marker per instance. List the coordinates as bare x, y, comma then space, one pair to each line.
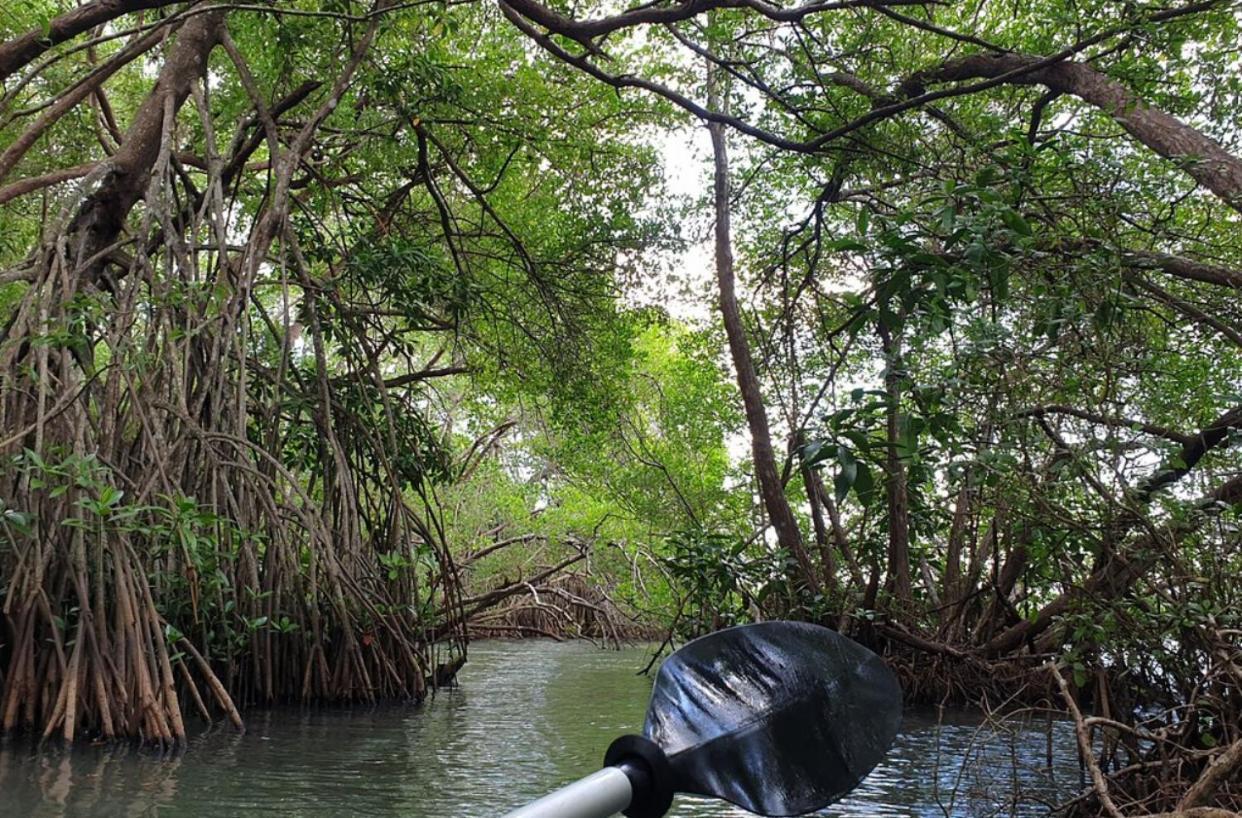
599, 795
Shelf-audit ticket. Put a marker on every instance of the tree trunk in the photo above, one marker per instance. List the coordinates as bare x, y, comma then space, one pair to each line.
768, 476
827, 561
956, 536
898, 581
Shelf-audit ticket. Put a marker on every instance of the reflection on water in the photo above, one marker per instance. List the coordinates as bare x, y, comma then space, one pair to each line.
528, 716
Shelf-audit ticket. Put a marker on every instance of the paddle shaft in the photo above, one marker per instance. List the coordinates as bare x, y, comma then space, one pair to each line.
599, 795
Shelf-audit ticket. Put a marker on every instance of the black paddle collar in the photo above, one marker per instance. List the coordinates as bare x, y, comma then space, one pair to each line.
651, 776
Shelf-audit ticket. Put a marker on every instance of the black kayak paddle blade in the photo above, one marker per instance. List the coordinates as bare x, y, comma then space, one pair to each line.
779, 718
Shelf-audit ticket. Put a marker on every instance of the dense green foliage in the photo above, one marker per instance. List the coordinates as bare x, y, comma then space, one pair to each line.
321, 349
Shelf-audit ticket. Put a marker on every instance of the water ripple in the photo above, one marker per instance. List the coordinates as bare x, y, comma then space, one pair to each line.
527, 717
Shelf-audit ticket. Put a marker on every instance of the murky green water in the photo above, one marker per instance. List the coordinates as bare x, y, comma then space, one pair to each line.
527, 717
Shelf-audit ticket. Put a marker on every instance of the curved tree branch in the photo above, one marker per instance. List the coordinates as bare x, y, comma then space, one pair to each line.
1202, 157
21, 50
585, 31
1188, 268
1105, 420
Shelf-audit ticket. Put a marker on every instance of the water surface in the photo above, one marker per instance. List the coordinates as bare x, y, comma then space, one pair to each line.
527, 717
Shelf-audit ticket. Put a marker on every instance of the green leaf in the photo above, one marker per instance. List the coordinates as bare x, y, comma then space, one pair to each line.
858, 438
814, 452
844, 480
864, 484
1014, 221
847, 245
947, 217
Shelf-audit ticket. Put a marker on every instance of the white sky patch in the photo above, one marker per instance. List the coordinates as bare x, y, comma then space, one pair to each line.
682, 283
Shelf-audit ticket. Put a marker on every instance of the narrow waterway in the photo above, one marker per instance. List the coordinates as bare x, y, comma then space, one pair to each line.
527, 717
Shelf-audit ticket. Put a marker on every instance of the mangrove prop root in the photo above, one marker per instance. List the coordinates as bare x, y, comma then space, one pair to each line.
160, 554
